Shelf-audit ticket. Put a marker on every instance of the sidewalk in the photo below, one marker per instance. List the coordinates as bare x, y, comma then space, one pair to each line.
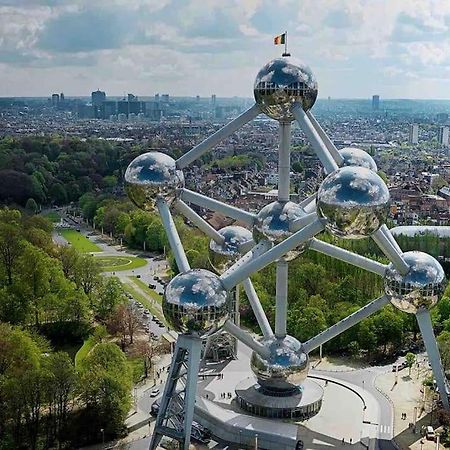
404, 392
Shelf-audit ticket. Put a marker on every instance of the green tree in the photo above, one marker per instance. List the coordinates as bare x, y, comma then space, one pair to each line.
31, 206
410, 360
110, 294
105, 384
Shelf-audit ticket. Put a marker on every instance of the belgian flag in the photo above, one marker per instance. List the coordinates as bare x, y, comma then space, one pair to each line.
281, 39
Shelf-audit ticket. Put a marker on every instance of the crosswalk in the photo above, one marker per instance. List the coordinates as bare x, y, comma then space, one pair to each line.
385, 429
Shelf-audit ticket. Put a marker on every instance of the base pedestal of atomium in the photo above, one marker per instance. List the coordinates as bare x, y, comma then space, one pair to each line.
303, 404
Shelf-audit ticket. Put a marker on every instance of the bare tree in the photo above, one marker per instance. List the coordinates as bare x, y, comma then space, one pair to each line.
124, 322
148, 349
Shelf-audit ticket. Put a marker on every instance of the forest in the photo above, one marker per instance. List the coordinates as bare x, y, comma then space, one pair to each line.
52, 299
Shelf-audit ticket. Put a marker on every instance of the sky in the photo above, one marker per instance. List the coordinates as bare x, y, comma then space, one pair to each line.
356, 48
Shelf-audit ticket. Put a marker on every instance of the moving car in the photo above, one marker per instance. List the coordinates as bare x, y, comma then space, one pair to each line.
400, 366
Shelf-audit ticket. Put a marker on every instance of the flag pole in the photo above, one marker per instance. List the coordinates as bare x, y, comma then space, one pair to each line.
285, 44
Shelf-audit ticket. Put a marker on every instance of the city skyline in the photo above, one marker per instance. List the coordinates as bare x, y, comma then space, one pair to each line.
356, 48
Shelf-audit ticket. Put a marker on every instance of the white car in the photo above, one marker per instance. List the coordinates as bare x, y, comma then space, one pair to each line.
154, 393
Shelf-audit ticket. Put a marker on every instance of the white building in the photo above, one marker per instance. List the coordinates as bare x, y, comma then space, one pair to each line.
443, 136
413, 133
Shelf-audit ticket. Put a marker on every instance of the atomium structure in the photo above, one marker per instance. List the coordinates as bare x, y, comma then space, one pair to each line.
351, 203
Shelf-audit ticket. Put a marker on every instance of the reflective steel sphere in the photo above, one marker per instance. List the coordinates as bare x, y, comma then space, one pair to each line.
354, 201
238, 240
273, 223
195, 302
152, 175
421, 287
285, 369
282, 82
356, 157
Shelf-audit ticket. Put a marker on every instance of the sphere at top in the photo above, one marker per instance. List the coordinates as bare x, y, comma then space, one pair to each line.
421, 287
281, 83
354, 201
285, 369
152, 175
237, 240
273, 223
196, 303
356, 157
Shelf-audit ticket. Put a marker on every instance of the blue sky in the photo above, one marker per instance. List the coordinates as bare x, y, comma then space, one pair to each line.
396, 48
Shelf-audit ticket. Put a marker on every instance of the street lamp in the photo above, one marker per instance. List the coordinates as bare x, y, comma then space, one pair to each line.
102, 430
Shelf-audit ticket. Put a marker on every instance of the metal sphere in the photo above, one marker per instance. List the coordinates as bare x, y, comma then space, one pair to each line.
354, 201
285, 369
237, 240
421, 287
196, 303
152, 175
356, 157
281, 83
273, 223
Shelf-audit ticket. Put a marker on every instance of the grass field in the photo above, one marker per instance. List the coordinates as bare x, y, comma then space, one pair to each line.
130, 289
53, 216
146, 289
80, 242
84, 350
118, 263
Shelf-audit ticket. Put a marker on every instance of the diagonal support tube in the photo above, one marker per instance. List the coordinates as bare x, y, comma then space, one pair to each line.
259, 249
345, 324
246, 339
198, 221
172, 235
387, 232
233, 278
348, 257
301, 222
214, 205
281, 305
310, 200
313, 137
257, 308
334, 152
429, 339
218, 136
386, 246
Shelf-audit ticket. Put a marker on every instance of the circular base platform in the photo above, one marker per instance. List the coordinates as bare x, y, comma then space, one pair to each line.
301, 405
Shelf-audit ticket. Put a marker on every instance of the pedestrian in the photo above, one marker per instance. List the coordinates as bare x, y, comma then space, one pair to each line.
351, 440
343, 440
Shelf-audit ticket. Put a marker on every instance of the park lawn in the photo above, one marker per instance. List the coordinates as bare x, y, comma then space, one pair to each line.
144, 301
87, 346
80, 242
53, 216
118, 263
136, 367
146, 289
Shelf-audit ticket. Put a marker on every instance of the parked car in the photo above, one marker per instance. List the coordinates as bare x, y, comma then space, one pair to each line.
154, 392
429, 433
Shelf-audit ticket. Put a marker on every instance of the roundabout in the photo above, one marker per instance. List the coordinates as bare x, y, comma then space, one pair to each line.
119, 263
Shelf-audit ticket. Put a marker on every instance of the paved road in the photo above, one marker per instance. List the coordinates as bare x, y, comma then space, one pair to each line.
155, 265
365, 378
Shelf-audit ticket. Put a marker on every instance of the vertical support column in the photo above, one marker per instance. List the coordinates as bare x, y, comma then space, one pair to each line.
284, 161
281, 299
429, 339
176, 411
